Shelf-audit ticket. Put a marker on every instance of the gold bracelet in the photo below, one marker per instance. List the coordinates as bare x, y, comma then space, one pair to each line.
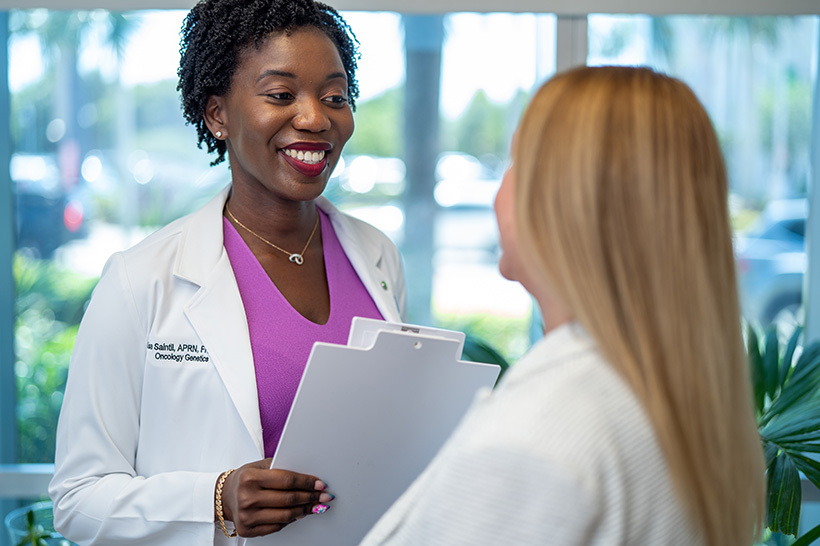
219, 515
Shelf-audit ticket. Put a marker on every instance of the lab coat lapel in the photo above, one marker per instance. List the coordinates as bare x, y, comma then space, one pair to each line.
216, 311
366, 257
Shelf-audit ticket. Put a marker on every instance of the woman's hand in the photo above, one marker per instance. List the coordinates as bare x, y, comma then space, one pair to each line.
260, 500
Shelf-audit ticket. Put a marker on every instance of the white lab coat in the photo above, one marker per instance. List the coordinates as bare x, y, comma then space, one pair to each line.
145, 430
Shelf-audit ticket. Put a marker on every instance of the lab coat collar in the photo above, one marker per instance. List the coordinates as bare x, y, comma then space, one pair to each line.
199, 254
216, 311
201, 242
366, 255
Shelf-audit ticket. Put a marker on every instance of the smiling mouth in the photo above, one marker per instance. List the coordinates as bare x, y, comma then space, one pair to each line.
310, 163
308, 157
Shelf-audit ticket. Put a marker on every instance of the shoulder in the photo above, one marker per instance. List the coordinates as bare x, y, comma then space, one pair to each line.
563, 385
572, 411
564, 405
192, 242
152, 256
567, 410
156, 260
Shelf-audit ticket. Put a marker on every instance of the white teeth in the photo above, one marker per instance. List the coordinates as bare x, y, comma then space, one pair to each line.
311, 158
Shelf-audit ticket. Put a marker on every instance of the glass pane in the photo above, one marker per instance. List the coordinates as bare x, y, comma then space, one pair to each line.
755, 75
485, 84
102, 157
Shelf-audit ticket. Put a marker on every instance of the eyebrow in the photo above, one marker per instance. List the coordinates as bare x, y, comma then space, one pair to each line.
284, 74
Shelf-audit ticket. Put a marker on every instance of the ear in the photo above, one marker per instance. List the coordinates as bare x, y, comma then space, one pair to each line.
215, 115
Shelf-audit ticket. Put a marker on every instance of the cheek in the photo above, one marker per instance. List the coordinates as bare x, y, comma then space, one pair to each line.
505, 213
345, 124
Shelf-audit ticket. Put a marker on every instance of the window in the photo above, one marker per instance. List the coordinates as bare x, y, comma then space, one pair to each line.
102, 157
108, 159
755, 75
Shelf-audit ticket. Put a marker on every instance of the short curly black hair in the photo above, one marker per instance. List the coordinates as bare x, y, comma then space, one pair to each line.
214, 34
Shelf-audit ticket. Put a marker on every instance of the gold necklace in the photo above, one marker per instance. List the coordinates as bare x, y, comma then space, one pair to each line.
295, 257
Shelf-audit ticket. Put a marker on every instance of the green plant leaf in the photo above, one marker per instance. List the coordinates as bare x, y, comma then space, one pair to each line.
800, 422
803, 382
771, 358
800, 447
756, 364
769, 452
807, 466
808, 537
788, 356
811, 354
784, 495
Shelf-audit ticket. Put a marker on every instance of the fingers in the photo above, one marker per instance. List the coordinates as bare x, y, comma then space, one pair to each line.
255, 499
253, 523
286, 480
274, 520
262, 500
259, 475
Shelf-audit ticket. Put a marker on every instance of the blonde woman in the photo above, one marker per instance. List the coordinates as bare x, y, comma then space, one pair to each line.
631, 421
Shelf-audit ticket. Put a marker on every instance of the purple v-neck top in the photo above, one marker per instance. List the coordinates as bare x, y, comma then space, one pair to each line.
281, 338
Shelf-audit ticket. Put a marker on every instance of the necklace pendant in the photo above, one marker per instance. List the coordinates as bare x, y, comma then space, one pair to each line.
297, 258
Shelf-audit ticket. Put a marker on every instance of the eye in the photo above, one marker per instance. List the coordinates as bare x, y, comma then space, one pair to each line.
281, 97
336, 100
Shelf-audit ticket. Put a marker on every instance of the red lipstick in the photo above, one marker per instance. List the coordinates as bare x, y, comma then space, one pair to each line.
308, 169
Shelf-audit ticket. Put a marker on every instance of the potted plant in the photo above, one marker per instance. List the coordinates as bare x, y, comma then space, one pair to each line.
33, 525
785, 381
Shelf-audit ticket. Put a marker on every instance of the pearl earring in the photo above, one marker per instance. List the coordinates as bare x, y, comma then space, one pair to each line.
218, 134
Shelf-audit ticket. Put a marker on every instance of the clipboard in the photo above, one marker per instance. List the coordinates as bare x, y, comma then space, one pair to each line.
367, 419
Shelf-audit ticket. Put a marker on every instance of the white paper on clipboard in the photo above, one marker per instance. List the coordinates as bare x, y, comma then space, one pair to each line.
363, 332
368, 417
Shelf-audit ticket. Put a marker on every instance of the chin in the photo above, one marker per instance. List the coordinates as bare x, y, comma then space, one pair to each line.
506, 270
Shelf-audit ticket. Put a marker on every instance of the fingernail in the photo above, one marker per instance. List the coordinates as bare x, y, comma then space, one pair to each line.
326, 497
320, 508
320, 485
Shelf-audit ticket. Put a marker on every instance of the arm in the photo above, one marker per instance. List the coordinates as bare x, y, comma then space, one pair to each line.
98, 492
98, 496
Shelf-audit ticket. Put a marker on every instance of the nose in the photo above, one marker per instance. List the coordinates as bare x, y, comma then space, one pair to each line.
311, 116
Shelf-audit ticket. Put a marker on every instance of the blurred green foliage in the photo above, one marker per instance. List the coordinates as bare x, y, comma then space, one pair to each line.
49, 305
785, 378
509, 337
378, 128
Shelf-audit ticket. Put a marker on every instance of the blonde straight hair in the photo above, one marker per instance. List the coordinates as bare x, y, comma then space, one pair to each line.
622, 198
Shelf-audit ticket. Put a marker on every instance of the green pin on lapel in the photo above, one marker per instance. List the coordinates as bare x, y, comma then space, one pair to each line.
384, 285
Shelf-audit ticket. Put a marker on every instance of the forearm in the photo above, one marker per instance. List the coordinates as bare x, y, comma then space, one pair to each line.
120, 508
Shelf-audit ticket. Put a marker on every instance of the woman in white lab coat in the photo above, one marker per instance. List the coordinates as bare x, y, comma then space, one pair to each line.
188, 355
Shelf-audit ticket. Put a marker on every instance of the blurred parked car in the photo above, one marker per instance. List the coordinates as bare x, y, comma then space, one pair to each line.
771, 261
48, 213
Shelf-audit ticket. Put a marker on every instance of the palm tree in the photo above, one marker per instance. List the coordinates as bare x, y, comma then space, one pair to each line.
62, 34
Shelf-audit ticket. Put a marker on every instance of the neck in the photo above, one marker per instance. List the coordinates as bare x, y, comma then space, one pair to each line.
288, 222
